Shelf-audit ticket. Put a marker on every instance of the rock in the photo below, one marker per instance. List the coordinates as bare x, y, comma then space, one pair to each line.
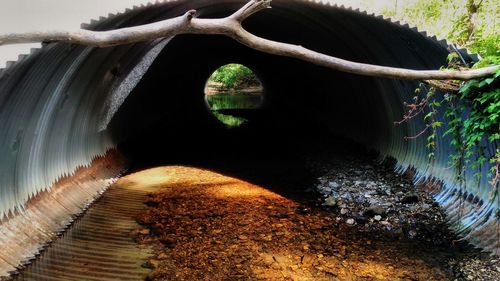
410, 199
152, 264
413, 208
412, 234
303, 210
425, 207
358, 183
350, 221
377, 217
333, 185
330, 201
374, 210
343, 211
361, 219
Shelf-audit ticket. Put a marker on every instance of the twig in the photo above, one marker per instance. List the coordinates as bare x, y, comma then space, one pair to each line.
419, 134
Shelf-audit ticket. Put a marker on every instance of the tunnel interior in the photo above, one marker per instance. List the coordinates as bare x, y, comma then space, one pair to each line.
71, 111
160, 120
165, 114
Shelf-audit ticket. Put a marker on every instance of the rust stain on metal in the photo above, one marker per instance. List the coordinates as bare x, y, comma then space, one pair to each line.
100, 245
26, 232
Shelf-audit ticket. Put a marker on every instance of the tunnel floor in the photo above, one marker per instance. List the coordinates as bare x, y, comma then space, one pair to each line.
233, 218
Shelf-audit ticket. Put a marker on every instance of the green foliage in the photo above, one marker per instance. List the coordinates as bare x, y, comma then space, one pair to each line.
469, 23
473, 118
489, 48
230, 121
237, 101
424, 11
234, 76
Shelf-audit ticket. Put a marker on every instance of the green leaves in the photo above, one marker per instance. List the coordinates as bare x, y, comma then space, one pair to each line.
472, 122
234, 75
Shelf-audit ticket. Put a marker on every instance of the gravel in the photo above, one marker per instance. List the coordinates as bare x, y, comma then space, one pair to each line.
367, 193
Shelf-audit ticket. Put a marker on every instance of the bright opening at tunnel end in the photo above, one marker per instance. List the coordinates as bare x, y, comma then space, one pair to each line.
232, 90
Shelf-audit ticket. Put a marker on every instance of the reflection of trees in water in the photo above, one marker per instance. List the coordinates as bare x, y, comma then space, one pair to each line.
243, 101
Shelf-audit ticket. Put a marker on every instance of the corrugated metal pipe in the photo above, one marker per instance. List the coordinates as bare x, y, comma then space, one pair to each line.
65, 109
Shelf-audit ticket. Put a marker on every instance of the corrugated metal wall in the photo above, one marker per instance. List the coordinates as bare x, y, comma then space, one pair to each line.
57, 103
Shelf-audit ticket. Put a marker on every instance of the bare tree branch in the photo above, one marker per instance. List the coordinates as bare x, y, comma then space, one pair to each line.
231, 27
448, 86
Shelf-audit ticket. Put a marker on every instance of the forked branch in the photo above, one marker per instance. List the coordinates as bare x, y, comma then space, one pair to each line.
231, 27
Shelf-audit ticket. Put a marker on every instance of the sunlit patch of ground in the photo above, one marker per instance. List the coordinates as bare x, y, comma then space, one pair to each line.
208, 226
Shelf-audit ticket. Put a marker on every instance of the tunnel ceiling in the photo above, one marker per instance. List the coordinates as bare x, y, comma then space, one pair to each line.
65, 107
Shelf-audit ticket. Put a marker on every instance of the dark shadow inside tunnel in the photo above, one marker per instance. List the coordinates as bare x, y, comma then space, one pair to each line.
165, 117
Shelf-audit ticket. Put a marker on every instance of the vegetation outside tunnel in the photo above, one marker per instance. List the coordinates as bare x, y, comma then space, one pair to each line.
232, 87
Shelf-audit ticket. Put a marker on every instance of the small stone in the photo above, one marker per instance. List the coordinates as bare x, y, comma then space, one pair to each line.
410, 199
374, 210
330, 201
377, 217
152, 264
350, 221
333, 185
242, 237
343, 211
361, 219
425, 207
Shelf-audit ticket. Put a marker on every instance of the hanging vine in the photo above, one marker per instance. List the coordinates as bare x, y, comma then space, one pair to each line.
472, 118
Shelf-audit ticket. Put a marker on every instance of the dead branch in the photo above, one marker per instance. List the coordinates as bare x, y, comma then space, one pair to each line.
448, 86
231, 27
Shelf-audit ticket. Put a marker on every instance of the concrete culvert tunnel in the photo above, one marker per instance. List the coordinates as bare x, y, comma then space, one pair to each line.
75, 118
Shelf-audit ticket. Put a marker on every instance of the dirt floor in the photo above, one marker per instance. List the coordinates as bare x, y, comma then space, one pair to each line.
205, 225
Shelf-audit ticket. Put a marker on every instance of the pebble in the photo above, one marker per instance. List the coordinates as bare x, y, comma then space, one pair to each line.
378, 200
374, 210
410, 199
333, 185
330, 201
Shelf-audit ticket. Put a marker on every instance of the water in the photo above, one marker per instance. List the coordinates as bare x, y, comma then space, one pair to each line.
224, 101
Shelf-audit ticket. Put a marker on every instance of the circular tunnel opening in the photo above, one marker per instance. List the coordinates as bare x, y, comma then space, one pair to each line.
233, 93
